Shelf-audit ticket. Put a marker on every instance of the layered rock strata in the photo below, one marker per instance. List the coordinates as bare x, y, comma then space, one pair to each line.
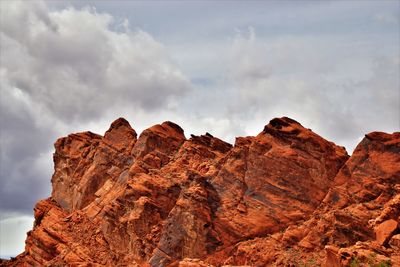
286, 197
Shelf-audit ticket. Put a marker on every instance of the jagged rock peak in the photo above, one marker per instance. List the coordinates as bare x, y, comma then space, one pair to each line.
289, 130
66, 141
380, 141
118, 123
165, 129
120, 135
157, 144
383, 137
283, 125
212, 142
174, 126
284, 121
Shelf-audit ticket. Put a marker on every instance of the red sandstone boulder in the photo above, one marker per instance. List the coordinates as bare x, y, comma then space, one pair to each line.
385, 231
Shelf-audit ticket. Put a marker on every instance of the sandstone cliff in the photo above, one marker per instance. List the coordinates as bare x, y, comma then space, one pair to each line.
286, 197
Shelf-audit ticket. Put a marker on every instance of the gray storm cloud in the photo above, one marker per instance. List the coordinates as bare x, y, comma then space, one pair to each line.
68, 67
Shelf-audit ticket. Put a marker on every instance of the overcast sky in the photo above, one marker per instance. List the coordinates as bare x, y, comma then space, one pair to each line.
222, 67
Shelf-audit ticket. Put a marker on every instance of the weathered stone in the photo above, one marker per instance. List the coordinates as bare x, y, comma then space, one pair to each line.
385, 230
285, 197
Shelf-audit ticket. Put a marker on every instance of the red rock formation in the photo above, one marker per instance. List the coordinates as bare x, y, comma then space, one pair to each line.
285, 197
364, 199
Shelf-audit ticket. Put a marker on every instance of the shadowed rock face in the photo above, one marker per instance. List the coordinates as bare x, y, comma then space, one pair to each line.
284, 197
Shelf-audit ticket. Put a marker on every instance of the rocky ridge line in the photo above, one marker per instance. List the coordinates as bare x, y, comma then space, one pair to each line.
286, 197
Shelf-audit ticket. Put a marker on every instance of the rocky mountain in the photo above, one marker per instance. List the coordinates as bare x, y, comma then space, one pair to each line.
286, 197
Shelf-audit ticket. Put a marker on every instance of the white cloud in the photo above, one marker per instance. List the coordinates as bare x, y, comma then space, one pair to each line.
322, 81
72, 63
13, 229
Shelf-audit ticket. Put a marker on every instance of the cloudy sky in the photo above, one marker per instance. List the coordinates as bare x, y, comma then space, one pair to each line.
222, 67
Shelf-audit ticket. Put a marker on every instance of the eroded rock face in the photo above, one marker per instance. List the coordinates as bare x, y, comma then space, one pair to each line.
355, 222
274, 179
284, 197
84, 162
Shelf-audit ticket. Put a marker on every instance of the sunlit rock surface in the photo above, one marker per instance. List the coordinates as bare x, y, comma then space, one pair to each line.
286, 197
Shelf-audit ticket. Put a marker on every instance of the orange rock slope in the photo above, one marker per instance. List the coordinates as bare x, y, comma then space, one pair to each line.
286, 197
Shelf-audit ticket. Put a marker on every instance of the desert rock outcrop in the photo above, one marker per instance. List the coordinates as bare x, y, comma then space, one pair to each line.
286, 197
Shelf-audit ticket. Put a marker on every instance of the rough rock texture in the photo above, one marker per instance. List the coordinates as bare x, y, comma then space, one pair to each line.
286, 197
364, 194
